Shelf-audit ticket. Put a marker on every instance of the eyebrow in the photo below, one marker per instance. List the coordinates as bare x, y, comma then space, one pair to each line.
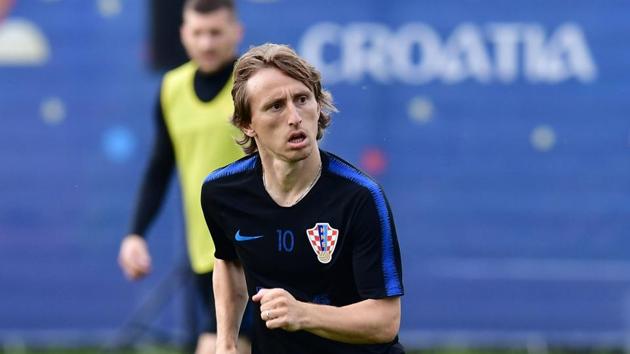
270, 102
280, 98
306, 92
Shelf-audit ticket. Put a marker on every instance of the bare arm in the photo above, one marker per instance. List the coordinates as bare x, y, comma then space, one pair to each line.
368, 321
230, 294
364, 322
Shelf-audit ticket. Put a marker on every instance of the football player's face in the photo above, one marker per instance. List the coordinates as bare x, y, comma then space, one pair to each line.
284, 115
210, 39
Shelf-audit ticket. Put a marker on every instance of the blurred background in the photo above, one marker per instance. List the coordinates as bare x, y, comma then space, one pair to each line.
500, 131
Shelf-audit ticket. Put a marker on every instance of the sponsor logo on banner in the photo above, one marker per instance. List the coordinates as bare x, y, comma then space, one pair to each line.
415, 53
22, 43
323, 239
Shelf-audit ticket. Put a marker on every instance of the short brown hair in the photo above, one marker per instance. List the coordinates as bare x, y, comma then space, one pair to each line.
283, 58
207, 6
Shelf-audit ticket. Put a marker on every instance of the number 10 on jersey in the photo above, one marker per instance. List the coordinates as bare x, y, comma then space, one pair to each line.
286, 240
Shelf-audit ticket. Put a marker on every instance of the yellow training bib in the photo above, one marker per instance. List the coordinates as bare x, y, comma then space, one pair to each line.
204, 140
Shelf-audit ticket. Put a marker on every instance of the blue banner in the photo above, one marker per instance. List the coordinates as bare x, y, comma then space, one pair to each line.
499, 130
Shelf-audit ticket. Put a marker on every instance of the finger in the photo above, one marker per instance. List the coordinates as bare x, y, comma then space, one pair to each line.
137, 254
143, 264
274, 323
274, 304
267, 295
130, 272
133, 274
129, 263
259, 294
274, 312
265, 315
140, 270
123, 262
132, 269
142, 259
268, 315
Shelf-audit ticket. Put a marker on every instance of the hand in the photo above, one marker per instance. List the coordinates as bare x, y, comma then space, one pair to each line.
220, 350
225, 345
134, 258
279, 309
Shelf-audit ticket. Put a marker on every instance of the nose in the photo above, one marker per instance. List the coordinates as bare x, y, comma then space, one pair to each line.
206, 42
294, 117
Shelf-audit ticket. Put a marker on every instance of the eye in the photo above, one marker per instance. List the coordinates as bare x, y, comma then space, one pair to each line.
302, 99
275, 106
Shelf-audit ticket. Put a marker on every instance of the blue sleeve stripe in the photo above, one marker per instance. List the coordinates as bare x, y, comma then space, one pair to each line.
239, 166
393, 285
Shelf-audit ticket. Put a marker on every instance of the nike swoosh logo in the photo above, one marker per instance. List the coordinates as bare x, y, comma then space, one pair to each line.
240, 237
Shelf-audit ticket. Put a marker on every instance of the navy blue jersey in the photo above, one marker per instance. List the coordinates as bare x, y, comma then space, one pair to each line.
336, 246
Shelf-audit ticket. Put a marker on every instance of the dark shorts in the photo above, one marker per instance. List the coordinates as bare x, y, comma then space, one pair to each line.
207, 312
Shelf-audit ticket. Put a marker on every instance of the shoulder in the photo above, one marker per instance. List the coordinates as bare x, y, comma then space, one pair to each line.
174, 80
181, 75
350, 174
184, 69
224, 185
356, 185
236, 169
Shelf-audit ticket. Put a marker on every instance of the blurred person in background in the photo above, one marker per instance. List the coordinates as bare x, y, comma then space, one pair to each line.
310, 237
194, 133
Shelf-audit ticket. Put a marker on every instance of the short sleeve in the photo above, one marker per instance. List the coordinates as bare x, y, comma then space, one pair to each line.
375, 251
224, 249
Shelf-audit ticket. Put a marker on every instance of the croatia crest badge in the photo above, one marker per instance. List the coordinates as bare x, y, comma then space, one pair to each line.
323, 238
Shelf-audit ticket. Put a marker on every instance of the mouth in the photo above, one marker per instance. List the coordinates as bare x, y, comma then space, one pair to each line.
209, 55
297, 138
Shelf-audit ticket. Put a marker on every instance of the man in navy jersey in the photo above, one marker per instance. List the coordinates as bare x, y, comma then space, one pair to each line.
307, 235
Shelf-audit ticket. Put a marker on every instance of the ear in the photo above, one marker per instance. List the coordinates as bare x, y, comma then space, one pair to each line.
247, 130
239, 31
182, 33
183, 27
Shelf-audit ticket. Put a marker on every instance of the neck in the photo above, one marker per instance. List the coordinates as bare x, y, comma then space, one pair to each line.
288, 182
225, 69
